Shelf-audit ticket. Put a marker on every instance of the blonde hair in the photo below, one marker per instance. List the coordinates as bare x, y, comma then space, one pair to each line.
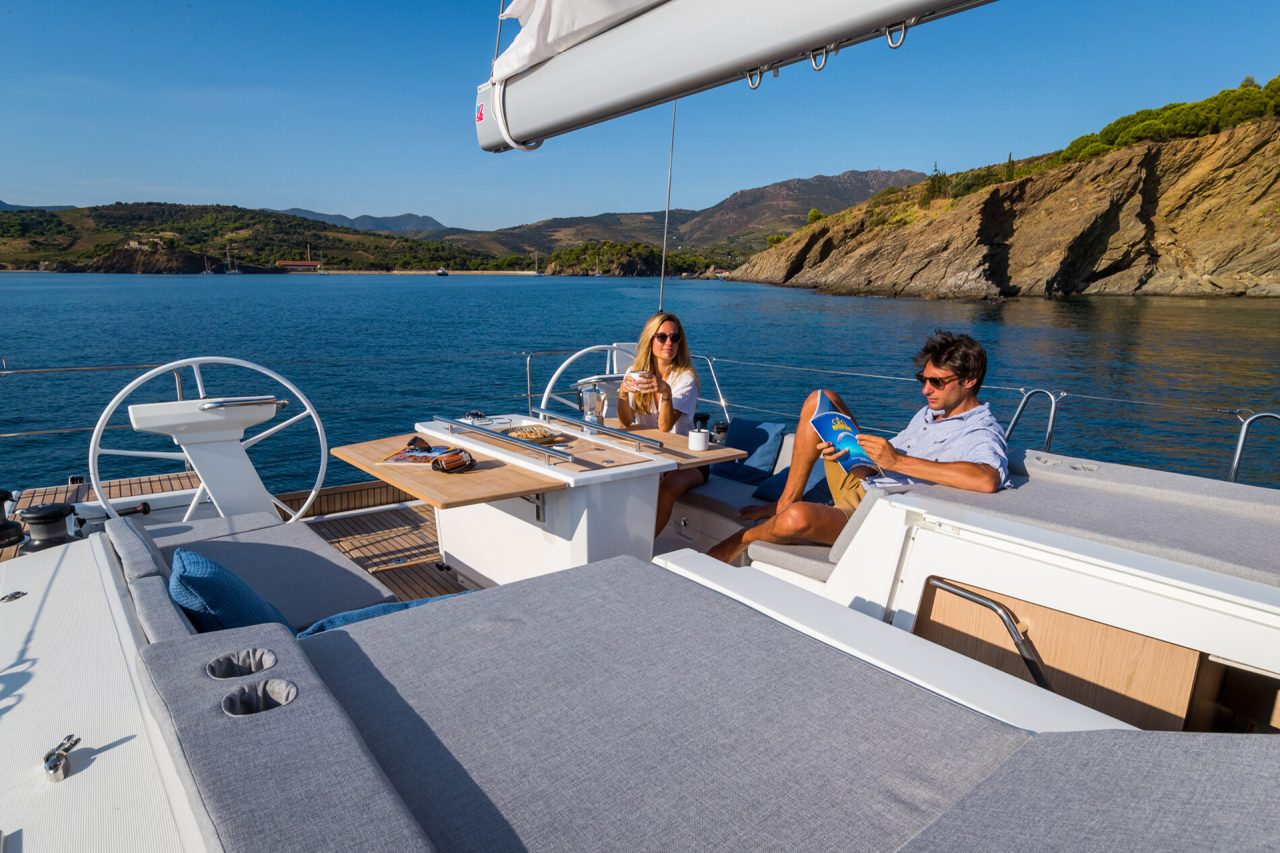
645, 359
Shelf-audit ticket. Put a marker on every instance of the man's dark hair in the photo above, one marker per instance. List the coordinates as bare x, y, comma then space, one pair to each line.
960, 354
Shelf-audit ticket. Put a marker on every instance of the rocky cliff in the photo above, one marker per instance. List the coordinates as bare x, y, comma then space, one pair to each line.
1194, 217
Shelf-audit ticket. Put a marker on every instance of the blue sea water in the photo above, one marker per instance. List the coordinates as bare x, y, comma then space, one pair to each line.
375, 353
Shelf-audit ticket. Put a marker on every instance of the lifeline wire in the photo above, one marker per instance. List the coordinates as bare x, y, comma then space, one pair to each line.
1223, 410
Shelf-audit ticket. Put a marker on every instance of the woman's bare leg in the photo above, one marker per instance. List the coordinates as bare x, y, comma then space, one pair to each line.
672, 485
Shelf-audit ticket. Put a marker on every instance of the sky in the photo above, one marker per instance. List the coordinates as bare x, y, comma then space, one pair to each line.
367, 108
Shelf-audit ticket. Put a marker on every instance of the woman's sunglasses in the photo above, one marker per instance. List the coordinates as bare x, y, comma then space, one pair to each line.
937, 383
663, 337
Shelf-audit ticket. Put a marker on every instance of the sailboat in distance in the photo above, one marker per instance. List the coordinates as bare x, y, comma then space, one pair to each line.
231, 266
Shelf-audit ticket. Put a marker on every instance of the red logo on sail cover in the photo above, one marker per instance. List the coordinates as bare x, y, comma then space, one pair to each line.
479, 113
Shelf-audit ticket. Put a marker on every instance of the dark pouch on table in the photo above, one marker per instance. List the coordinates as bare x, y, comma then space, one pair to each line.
453, 462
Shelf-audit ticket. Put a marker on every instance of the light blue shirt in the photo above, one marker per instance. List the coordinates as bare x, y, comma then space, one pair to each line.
974, 436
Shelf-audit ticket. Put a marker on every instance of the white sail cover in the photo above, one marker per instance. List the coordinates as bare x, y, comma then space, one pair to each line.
548, 27
585, 61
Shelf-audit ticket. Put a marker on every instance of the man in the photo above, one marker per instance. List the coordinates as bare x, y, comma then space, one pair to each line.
953, 441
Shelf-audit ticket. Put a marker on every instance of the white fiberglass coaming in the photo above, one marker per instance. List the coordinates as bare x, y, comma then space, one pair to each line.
674, 49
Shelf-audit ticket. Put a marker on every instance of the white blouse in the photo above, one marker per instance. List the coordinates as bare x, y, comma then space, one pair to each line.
684, 399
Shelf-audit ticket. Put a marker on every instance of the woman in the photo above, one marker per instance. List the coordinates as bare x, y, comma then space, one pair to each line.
661, 391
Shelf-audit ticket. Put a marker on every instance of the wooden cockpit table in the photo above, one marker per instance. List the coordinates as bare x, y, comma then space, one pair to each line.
490, 480
523, 511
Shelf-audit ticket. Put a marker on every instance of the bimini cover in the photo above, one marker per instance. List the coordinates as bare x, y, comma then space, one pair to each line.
548, 27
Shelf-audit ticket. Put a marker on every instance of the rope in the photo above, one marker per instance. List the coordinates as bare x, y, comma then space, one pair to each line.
666, 217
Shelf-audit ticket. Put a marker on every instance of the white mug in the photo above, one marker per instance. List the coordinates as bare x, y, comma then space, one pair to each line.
699, 439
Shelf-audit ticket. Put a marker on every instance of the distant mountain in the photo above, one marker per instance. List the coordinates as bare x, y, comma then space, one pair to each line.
4, 206
782, 207
405, 223
745, 218
551, 234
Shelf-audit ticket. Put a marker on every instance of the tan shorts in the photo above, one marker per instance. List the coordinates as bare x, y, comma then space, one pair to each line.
846, 487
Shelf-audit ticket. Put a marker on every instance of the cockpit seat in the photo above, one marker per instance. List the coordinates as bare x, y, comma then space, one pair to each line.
289, 565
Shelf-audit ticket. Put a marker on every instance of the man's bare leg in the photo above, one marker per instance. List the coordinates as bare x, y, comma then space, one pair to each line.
804, 455
800, 522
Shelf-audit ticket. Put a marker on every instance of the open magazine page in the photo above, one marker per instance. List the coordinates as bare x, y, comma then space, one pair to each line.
414, 456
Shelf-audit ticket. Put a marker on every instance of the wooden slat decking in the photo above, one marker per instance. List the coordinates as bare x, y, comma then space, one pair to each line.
397, 546
136, 487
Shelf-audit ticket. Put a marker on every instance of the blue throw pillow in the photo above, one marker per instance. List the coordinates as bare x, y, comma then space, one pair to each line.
213, 597
339, 620
762, 441
816, 489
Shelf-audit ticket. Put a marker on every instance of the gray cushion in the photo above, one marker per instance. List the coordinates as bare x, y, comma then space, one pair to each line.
160, 617
295, 777
179, 534
1152, 512
139, 556
621, 707
296, 570
721, 496
808, 560
1122, 791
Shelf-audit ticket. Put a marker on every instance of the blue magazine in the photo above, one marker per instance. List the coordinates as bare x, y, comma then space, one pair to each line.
842, 430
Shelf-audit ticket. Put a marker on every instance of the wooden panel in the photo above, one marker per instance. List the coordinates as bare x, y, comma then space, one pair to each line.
490, 480
139, 486
354, 496
1140, 680
398, 546
676, 448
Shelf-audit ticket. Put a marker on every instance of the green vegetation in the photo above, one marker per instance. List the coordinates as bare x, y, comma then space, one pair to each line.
609, 258
888, 195
814, 215
253, 238
1229, 108
260, 238
32, 223
774, 239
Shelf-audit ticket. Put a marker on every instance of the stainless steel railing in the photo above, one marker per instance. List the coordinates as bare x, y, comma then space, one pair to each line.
1246, 416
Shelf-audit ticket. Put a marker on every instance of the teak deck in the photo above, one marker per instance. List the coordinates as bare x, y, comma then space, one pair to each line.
397, 546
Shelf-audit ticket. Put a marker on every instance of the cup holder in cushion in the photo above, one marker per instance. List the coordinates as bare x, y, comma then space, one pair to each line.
258, 697
237, 664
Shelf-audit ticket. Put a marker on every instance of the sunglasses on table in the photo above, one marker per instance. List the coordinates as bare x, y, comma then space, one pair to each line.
663, 337
937, 383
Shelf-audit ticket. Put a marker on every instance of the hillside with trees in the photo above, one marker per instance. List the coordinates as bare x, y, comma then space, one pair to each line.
177, 238
1180, 200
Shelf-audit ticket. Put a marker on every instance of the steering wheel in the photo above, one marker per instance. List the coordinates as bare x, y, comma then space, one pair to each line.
549, 394
96, 449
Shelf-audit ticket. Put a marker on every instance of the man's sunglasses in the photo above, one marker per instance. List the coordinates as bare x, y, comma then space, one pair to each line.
663, 337
937, 383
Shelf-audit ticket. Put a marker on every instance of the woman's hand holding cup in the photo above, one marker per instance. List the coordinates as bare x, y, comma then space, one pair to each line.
638, 382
